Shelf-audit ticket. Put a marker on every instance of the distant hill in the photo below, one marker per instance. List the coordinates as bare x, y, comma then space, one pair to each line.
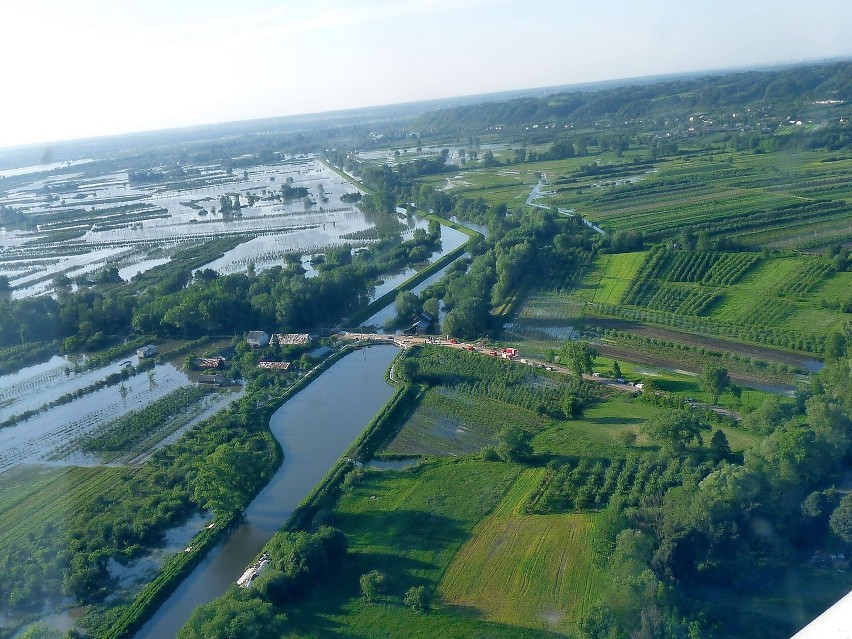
789, 88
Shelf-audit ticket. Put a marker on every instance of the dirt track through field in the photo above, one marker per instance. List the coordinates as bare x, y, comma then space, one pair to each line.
710, 343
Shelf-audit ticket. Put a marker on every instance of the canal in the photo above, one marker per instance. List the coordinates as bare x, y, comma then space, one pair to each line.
314, 428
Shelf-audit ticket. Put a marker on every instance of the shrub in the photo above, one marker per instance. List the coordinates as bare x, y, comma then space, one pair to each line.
416, 598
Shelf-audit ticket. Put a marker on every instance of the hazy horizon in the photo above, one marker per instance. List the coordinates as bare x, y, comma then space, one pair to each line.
96, 69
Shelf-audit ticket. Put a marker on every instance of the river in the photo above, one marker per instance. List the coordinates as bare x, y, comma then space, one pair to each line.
314, 428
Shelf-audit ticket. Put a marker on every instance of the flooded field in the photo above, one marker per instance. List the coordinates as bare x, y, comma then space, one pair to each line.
51, 436
84, 222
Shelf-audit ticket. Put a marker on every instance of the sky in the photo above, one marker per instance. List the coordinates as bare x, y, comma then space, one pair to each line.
87, 68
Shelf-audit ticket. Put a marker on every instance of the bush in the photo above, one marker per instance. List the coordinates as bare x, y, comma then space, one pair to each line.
416, 598
372, 585
489, 453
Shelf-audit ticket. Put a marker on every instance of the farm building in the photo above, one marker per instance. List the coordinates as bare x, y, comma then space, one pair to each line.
146, 351
275, 366
214, 380
257, 339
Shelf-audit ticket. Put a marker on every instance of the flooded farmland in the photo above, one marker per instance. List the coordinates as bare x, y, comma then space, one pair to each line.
86, 221
44, 436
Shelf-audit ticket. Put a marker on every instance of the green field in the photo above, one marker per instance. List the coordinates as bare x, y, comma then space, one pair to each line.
801, 203
534, 571
608, 279
409, 525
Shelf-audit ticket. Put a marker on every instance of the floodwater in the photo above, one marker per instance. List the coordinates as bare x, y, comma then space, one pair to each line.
392, 464
313, 433
49, 433
173, 214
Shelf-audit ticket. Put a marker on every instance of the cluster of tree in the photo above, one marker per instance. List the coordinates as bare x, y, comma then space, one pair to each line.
289, 192
152, 176
12, 218
220, 465
229, 203
351, 198
536, 245
297, 561
733, 527
175, 303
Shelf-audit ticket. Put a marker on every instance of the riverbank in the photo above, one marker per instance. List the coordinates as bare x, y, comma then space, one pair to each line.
445, 260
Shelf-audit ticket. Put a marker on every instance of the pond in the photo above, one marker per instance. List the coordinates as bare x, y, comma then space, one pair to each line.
313, 433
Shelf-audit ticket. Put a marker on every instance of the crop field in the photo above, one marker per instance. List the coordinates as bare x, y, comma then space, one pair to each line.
49, 432
37, 503
33, 498
545, 319
143, 429
799, 204
607, 280
535, 571
786, 301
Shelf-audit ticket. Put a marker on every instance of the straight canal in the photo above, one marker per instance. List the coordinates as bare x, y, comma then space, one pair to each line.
314, 428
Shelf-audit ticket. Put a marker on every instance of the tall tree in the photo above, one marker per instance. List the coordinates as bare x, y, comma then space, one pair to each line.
675, 430
714, 380
579, 356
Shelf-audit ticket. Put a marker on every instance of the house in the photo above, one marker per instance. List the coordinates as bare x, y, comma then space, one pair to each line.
214, 380
146, 351
422, 324
209, 362
257, 339
425, 322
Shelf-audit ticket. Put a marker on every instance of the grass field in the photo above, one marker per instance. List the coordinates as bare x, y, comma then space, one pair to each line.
409, 525
32, 499
534, 571
596, 433
607, 281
